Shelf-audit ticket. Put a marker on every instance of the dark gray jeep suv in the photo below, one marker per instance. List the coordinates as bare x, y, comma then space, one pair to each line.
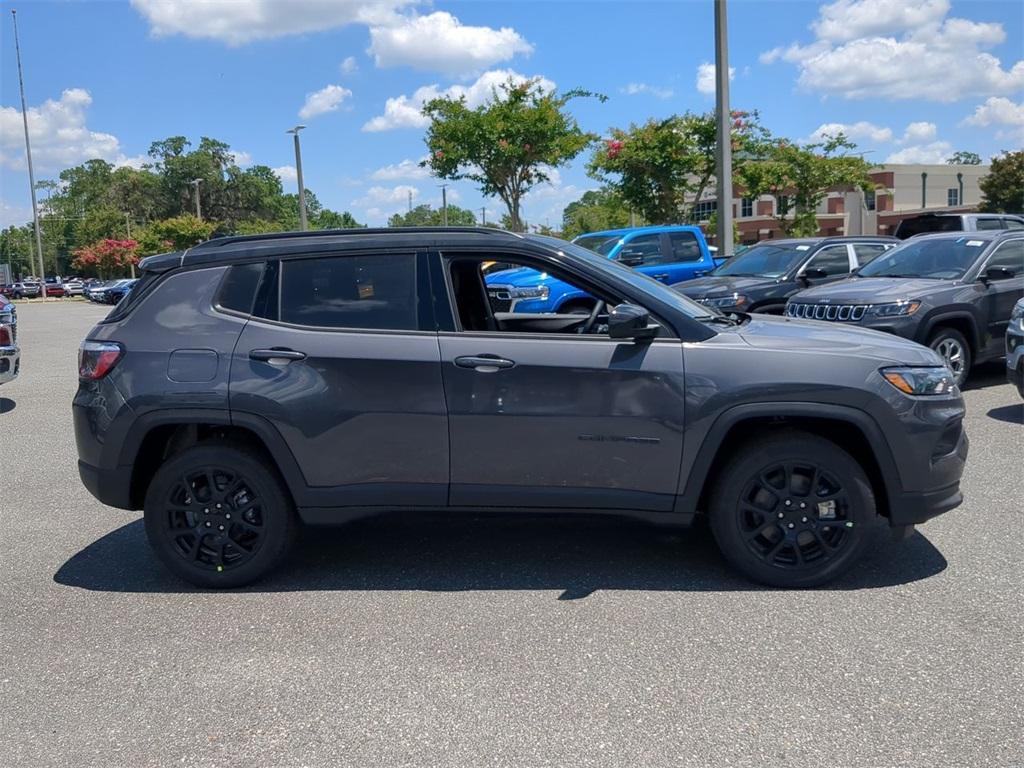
251, 382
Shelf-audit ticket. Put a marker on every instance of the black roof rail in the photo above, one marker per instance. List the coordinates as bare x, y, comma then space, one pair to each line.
220, 242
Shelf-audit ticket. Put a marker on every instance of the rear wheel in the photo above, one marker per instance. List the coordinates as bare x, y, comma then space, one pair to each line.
955, 351
792, 510
218, 515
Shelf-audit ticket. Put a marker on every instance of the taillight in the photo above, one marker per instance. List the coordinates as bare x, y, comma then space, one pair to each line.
5, 336
96, 358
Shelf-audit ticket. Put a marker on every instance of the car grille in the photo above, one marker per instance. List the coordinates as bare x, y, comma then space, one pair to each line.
501, 298
842, 313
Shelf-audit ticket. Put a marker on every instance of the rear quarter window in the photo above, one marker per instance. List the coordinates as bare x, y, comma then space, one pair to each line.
238, 289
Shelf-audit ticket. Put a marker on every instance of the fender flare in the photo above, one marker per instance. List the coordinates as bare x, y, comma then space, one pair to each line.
700, 469
926, 327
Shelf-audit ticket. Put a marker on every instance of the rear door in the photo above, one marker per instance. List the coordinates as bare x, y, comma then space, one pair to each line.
1001, 295
341, 355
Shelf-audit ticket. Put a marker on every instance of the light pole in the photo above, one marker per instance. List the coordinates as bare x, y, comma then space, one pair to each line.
128, 230
199, 211
303, 224
444, 204
28, 154
724, 165
483, 215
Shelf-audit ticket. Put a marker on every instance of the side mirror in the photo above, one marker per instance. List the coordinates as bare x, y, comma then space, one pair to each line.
814, 273
631, 258
997, 273
628, 321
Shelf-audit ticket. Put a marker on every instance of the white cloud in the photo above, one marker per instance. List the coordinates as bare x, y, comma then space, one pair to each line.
237, 22
287, 174
349, 65
378, 196
405, 111
327, 99
900, 50
636, 88
919, 132
407, 169
706, 78
441, 43
859, 130
921, 145
241, 158
14, 215
997, 111
59, 134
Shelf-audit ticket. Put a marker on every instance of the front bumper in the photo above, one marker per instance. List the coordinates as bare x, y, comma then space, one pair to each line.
10, 363
917, 507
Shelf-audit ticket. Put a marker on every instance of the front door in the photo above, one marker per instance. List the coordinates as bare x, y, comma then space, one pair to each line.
346, 367
548, 412
1003, 294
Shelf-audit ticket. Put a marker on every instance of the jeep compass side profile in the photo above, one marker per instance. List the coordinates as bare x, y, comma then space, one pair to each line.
250, 383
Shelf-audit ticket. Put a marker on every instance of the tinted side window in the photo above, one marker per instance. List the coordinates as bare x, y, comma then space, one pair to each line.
238, 290
990, 223
373, 292
1009, 256
642, 250
684, 246
834, 260
1013, 224
867, 252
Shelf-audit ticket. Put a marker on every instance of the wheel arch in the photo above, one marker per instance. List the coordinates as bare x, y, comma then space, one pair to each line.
961, 320
851, 429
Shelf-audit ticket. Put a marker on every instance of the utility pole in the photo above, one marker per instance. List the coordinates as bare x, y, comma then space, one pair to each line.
444, 203
483, 215
723, 169
303, 223
128, 232
199, 211
28, 154
410, 201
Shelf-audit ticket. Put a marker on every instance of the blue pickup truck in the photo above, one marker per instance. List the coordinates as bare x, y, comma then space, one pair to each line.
670, 254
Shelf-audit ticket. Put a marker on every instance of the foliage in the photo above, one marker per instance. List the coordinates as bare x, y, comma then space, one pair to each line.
507, 145
964, 158
596, 210
712, 229
663, 168
16, 248
425, 216
1002, 190
799, 177
174, 234
106, 257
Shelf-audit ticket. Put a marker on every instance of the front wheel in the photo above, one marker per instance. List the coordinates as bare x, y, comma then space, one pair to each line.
218, 515
792, 510
955, 352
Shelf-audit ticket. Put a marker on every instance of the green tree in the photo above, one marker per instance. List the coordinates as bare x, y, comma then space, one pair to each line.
1002, 190
964, 158
425, 216
597, 209
800, 177
663, 168
16, 249
507, 145
174, 234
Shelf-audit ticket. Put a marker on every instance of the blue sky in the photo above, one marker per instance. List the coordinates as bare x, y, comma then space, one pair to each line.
911, 80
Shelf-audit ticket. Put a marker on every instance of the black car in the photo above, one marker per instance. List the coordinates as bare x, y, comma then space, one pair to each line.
251, 383
953, 292
765, 275
957, 222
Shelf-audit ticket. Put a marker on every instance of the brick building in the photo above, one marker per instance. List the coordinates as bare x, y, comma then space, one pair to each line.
903, 190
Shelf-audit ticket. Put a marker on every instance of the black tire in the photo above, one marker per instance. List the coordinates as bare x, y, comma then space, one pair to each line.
219, 546
783, 544
947, 342
578, 307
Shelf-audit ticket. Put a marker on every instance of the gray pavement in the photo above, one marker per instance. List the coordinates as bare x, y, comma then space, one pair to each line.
495, 641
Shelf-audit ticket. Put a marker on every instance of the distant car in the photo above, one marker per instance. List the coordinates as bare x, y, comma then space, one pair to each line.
951, 291
9, 354
97, 291
55, 290
956, 222
1015, 347
764, 276
24, 290
118, 290
74, 287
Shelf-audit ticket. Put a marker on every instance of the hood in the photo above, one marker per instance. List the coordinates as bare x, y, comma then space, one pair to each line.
715, 285
871, 290
790, 334
519, 277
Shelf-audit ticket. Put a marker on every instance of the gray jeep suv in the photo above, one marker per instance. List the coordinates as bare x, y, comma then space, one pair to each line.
252, 382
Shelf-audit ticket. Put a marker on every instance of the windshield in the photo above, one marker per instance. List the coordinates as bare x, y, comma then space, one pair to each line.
601, 244
764, 260
938, 259
637, 279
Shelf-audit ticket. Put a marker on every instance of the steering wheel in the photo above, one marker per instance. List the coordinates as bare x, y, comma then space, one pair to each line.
592, 319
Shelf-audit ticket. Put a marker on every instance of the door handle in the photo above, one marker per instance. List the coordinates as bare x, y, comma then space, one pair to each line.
276, 356
662, 276
483, 363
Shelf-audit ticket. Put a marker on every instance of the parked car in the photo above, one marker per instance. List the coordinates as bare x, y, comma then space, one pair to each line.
24, 290
94, 291
956, 222
669, 254
1015, 347
765, 275
326, 376
55, 290
951, 291
74, 287
114, 293
10, 355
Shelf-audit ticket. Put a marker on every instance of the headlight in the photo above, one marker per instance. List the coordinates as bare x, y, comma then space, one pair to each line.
724, 302
530, 292
896, 309
1018, 311
920, 381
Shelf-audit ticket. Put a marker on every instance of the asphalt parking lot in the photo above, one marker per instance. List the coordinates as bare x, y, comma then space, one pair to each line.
496, 641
